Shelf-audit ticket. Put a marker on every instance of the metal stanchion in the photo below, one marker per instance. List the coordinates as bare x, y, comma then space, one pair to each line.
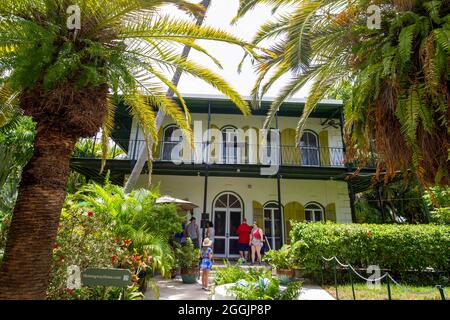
351, 281
441, 291
389, 286
335, 279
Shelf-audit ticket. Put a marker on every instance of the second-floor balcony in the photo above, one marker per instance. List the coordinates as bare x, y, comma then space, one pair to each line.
200, 153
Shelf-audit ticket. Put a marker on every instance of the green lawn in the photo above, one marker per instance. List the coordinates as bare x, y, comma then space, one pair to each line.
363, 292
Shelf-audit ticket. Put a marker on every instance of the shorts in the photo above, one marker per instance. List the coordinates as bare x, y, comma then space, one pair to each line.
244, 247
257, 243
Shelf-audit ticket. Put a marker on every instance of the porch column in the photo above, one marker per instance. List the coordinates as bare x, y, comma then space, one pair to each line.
204, 217
279, 181
351, 195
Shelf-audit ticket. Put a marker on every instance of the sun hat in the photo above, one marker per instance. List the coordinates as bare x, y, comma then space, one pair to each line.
207, 242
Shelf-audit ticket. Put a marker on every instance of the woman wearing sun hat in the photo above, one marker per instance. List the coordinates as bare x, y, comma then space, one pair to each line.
206, 265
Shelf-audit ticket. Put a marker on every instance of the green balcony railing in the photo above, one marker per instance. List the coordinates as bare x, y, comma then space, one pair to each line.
223, 154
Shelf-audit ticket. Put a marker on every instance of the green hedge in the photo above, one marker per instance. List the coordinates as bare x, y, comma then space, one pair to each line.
399, 248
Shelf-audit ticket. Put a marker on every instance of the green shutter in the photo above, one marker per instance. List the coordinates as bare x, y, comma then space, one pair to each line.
214, 146
292, 211
324, 148
158, 145
289, 151
258, 214
330, 212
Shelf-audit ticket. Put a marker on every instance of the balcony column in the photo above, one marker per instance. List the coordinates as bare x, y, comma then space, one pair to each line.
349, 167
279, 181
204, 217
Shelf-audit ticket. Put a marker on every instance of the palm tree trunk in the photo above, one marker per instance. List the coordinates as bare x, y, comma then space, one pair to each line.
26, 265
142, 158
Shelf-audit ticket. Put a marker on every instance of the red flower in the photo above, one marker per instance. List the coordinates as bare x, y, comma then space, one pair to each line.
55, 246
61, 258
90, 214
69, 291
136, 258
127, 242
113, 259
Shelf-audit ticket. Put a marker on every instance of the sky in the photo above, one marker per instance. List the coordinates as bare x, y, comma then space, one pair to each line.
219, 15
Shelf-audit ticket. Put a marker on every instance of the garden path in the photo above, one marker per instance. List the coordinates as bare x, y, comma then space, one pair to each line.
174, 289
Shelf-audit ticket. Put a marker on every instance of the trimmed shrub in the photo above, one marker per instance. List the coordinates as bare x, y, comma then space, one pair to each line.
397, 248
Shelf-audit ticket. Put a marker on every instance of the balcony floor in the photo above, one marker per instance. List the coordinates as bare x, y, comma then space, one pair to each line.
119, 168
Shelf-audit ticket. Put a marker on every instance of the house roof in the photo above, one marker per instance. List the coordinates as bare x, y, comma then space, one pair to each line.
293, 107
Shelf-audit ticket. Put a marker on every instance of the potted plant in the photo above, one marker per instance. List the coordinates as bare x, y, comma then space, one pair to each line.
188, 259
284, 262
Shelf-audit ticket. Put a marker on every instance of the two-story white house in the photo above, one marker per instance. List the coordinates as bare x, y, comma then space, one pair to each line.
311, 182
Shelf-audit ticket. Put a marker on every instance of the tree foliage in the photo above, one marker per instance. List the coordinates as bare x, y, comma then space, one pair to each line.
399, 71
125, 46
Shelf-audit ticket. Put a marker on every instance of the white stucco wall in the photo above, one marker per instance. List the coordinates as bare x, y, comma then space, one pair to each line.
191, 188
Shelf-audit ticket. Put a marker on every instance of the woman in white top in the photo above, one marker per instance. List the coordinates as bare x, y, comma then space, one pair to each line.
210, 232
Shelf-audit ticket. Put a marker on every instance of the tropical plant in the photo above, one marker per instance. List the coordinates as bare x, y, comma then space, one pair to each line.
401, 202
283, 258
68, 78
232, 273
186, 255
75, 181
367, 212
265, 289
16, 148
399, 71
438, 202
91, 148
146, 226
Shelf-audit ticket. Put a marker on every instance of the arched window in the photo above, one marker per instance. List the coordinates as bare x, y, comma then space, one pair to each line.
313, 212
230, 145
309, 149
273, 225
168, 144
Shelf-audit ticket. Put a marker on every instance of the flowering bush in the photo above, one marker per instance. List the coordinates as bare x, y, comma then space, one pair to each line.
101, 226
86, 240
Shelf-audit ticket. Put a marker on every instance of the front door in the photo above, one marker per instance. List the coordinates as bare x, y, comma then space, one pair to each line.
227, 215
273, 225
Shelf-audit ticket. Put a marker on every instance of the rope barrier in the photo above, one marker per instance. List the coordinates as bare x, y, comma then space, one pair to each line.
388, 277
411, 291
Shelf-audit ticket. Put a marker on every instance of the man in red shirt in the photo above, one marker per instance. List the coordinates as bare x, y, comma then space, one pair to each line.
243, 231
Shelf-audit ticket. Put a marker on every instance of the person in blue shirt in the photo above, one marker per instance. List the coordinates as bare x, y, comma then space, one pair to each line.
206, 265
181, 237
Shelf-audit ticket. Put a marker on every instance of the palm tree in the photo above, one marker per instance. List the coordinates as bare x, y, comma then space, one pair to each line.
143, 155
399, 71
68, 78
